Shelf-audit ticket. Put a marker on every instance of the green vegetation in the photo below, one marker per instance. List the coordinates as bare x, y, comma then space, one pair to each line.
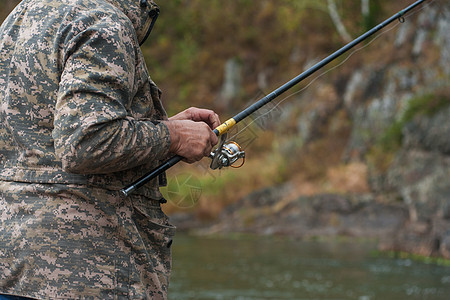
383, 151
416, 257
425, 105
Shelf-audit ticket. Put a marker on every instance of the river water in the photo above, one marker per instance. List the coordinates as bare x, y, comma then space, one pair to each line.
280, 268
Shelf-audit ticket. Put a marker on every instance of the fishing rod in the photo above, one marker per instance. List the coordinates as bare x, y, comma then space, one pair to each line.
226, 155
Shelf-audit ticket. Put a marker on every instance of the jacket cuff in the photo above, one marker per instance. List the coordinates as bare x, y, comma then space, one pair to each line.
164, 139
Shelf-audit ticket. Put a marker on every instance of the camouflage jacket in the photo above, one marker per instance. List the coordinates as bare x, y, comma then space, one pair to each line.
77, 104
79, 119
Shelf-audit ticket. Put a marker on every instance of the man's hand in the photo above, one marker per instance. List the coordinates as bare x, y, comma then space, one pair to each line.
198, 115
191, 133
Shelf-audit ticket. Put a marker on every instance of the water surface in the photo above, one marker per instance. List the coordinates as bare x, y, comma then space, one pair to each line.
275, 268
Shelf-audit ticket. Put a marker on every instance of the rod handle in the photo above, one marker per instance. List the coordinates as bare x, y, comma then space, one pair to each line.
126, 191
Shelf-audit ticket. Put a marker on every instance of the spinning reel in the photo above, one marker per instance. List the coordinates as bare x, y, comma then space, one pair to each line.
226, 154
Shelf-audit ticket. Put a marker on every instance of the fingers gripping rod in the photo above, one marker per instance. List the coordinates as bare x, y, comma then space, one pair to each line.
227, 125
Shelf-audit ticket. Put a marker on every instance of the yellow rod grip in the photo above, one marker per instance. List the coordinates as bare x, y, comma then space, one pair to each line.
227, 125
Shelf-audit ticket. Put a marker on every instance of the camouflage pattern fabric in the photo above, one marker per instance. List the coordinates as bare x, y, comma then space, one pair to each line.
70, 242
79, 119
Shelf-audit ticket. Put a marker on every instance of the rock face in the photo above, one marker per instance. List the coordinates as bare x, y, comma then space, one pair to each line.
420, 177
408, 207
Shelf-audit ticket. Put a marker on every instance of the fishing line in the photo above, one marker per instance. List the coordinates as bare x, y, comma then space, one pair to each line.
386, 31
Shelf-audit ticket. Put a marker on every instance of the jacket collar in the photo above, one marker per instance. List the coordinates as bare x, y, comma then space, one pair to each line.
142, 13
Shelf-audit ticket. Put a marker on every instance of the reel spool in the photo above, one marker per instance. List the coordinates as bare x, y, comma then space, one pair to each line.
226, 155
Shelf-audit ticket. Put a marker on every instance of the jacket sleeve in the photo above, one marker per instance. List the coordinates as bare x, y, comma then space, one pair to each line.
94, 133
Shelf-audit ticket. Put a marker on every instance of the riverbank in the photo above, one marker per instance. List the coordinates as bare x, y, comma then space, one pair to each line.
272, 211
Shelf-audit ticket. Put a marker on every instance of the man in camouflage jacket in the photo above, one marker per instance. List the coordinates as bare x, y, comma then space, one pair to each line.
79, 119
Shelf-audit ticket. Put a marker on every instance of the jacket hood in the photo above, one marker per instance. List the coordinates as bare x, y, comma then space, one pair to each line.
142, 13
